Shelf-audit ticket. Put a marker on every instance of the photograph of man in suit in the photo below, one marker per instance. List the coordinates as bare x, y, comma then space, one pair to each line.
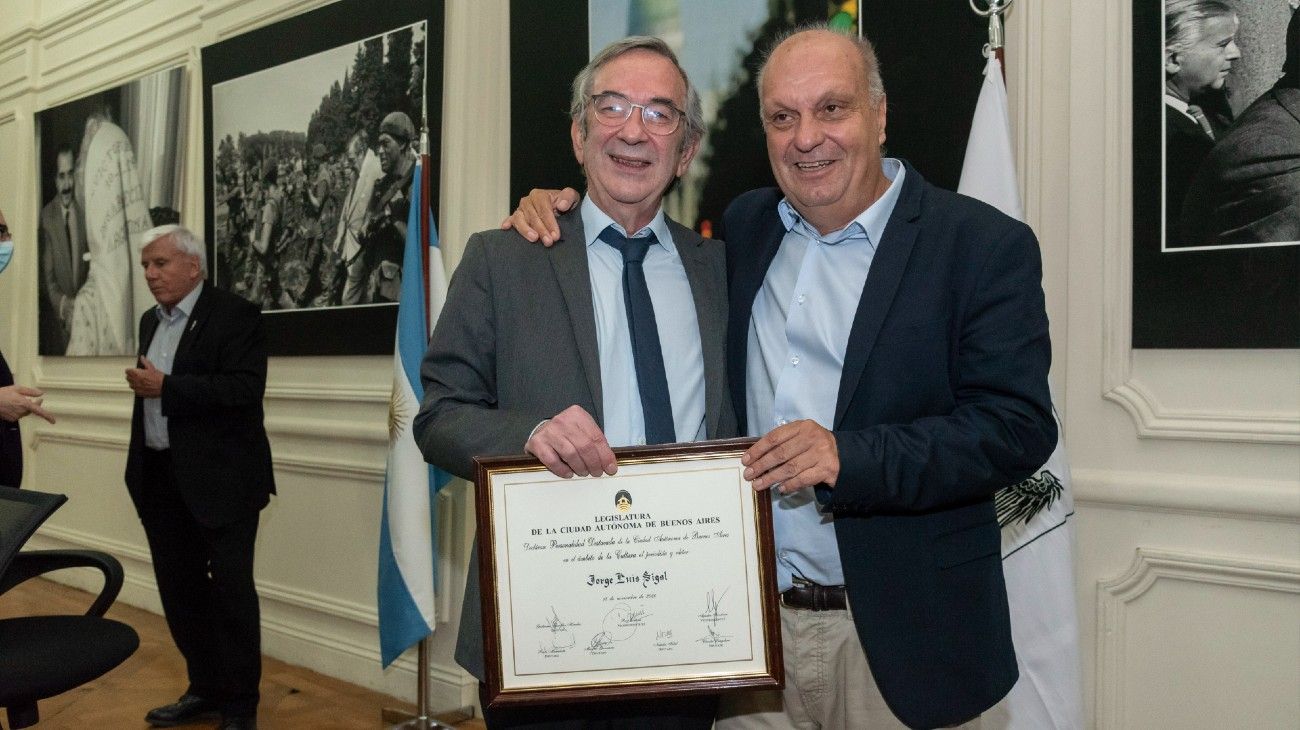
888, 341
199, 471
1247, 190
63, 250
1200, 48
535, 351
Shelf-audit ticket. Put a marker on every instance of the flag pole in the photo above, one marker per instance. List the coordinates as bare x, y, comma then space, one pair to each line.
391, 718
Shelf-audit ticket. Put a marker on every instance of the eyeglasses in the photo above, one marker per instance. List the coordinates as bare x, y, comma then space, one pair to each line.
614, 109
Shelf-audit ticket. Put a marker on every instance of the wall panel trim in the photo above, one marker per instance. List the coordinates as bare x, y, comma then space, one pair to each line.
1149, 566
1258, 499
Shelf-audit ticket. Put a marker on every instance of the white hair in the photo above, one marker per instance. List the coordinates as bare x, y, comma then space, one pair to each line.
185, 240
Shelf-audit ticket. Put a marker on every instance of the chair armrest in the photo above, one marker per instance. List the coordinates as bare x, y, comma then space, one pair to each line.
32, 563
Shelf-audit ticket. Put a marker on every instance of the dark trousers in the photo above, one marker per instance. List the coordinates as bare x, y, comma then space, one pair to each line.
677, 713
205, 579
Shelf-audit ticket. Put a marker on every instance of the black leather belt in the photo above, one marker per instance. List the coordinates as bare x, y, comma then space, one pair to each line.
813, 597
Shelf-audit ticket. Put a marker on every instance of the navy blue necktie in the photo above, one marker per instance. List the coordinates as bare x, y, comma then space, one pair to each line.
646, 353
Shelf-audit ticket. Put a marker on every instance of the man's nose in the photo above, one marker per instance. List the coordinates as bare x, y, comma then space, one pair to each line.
808, 133
633, 130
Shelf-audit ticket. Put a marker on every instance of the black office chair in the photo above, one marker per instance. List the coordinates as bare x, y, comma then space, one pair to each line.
42, 656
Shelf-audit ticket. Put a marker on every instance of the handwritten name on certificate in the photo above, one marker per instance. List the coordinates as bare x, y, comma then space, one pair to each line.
653, 568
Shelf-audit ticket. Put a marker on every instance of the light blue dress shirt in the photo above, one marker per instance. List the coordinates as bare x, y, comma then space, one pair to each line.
679, 331
162, 353
798, 335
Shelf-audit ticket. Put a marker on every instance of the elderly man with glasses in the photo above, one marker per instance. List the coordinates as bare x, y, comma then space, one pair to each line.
625, 319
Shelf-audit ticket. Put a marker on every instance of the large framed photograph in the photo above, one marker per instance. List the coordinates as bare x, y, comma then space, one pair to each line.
657, 581
312, 126
1216, 174
111, 167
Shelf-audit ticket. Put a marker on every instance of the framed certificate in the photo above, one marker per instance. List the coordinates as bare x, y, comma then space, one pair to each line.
656, 581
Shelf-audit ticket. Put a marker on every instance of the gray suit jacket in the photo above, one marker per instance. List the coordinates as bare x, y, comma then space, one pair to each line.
516, 344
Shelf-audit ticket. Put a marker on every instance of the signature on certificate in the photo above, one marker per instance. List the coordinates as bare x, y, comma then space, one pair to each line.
561, 636
601, 641
713, 605
625, 615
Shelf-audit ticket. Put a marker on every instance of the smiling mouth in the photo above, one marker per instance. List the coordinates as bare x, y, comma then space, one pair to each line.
630, 162
813, 166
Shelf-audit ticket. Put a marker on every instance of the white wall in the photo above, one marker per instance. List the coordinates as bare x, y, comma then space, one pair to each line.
317, 548
1186, 466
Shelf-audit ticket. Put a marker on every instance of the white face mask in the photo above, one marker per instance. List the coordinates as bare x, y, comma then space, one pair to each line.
6, 253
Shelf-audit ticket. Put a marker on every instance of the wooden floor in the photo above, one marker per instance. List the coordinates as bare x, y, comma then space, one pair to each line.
293, 698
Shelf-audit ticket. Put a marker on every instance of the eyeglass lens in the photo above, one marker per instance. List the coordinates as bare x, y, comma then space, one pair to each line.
614, 109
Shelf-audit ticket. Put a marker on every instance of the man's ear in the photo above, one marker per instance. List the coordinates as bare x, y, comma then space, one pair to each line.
688, 154
576, 134
1171, 64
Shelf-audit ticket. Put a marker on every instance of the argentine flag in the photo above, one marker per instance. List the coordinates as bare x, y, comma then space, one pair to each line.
406, 541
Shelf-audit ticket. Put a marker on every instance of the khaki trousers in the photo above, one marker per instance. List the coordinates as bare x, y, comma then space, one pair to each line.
828, 685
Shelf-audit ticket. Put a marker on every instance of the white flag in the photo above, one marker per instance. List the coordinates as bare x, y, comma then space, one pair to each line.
1037, 529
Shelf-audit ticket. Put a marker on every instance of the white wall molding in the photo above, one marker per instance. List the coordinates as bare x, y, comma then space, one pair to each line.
147, 21
1154, 421
80, 14
1120, 384
316, 603
291, 391
17, 72
125, 75
1149, 566
257, 20
283, 460
345, 630
1257, 499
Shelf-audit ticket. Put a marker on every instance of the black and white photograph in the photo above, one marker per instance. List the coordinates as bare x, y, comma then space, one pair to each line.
309, 194
1232, 125
1216, 214
111, 167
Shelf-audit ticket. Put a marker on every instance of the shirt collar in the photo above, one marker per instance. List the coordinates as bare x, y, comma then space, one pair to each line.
594, 220
1180, 105
869, 224
183, 308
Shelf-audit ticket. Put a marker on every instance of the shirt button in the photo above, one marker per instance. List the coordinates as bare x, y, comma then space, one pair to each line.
800, 299
782, 422
794, 360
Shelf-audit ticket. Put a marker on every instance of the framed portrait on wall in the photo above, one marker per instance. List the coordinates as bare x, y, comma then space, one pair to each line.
111, 167
1216, 174
311, 130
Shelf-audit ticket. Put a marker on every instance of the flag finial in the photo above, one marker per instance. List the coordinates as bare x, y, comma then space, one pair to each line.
993, 10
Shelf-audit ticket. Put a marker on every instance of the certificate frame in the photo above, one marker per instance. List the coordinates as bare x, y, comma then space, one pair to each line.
627, 654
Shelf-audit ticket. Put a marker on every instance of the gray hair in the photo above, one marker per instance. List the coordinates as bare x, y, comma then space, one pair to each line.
185, 240
584, 82
866, 51
1185, 22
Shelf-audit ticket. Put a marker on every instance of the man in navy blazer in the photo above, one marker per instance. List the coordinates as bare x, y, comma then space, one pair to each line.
199, 472
888, 341
918, 315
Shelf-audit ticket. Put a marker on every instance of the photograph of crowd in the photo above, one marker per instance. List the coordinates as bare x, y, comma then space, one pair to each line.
311, 192
110, 169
